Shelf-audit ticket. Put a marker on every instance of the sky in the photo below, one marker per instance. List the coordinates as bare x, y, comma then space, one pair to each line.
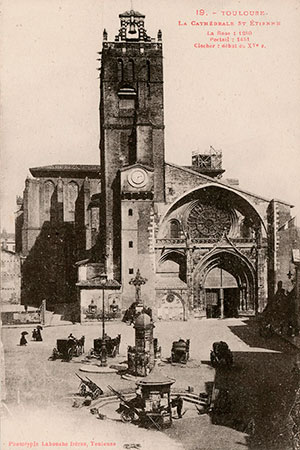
244, 101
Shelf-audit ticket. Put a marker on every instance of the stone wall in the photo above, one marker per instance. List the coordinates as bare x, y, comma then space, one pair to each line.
10, 277
287, 239
60, 225
136, 250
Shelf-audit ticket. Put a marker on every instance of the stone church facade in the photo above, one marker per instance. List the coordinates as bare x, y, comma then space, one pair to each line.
206, 246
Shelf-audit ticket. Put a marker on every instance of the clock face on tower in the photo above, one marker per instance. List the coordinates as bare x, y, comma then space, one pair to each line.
137, 178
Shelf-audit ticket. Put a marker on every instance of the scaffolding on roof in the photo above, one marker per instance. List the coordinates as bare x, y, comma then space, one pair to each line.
207, 159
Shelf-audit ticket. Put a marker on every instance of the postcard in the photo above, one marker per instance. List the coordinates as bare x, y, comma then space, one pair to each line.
150, 268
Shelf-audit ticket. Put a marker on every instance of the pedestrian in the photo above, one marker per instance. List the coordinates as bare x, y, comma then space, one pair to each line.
23, 340
178, 404
34, 334
71, 337
39, 334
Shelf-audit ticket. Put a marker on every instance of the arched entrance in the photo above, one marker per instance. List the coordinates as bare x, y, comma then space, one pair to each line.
224, 284
218, 229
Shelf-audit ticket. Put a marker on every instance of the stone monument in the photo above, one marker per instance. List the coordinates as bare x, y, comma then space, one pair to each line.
141, 356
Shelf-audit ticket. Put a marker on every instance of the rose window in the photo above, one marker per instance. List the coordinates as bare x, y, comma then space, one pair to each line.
208, 221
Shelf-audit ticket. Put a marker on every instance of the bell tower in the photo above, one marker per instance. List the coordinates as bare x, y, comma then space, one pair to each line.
131, 122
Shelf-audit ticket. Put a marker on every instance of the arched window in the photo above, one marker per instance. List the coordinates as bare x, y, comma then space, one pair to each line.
48, 192
245, 229
130, 70
72, 196
174, 229
130, 212
120, 70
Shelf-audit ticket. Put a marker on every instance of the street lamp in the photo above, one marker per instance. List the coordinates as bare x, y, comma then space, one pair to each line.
109, 284
103, 283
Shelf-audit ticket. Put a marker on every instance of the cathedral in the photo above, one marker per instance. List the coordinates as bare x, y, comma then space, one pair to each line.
205, 246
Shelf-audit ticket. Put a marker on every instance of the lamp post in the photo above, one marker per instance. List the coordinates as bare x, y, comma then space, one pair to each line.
109, 284
103, 282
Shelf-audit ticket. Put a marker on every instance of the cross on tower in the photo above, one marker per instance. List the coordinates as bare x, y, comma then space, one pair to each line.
137, 282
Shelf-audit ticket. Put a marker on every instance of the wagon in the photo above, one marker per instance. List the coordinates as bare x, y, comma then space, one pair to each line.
89, 388
180, 352
66, 349
112, 346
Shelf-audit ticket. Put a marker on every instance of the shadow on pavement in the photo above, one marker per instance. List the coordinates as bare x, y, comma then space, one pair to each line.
249, 333
257, 393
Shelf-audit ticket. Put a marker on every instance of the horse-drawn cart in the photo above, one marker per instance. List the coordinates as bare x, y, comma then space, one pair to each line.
66, 349
112, 346
180, 352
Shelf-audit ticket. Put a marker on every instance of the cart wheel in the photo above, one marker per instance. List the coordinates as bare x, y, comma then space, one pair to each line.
96, 394
127, 416
69, 354
82, 390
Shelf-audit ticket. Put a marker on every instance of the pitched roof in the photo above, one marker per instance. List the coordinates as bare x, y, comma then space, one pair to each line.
130, 13
95, 283
155, 378
131, 166
234, 188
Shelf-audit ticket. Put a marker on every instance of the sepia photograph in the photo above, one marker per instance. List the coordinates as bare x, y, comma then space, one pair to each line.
150, 246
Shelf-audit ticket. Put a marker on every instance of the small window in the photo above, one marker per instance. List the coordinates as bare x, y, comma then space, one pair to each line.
130, 271
174, 229
130, 244
130, 212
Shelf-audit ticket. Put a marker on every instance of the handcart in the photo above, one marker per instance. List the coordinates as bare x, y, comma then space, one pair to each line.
87, 387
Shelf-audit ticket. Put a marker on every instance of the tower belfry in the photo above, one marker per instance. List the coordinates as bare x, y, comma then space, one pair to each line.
132, 27
131, 126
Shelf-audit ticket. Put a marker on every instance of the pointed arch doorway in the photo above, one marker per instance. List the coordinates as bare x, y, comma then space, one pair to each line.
225, 284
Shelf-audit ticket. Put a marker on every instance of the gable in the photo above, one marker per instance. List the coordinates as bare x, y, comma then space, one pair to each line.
179, 180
